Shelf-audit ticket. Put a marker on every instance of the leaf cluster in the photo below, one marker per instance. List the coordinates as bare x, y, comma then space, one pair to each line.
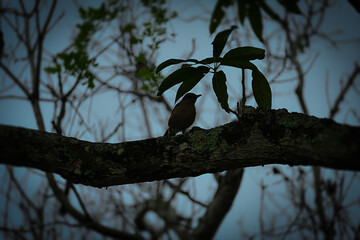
190, 73
76, 60
149, 34
147, 74
154, 30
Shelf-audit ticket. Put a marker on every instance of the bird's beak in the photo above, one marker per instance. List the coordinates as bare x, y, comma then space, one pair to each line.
198, 96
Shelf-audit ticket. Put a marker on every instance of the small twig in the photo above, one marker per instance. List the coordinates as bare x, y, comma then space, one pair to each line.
235, 113
179, 190
335, 109
243, 99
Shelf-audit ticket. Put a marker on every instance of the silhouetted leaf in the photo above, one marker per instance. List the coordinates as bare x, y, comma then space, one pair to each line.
216, 17
174, 78
291, 6
220, 41
218, 14
207, 60
256, 20
261, 90
185, 65
239, 64
244, 53
190, 81
172, 61
220, 89
242, 10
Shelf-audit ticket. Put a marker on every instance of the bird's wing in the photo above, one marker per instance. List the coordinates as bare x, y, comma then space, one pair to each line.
175, 107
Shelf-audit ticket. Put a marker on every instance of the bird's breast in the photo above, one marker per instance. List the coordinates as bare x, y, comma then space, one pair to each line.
182, 117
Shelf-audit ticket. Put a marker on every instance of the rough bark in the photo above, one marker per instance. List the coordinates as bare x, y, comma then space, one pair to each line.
260, 137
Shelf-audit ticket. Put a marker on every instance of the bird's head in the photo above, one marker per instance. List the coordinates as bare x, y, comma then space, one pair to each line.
191, 97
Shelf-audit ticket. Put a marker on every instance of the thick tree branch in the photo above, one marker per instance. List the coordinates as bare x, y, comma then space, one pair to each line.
260, 137
220, 206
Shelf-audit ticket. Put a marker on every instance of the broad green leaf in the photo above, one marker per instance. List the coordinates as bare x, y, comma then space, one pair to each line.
261, 90
242, 7
220, 41
218, 14
172, 61
256, 20
191, 80
244, 53
220, 89
239, 64
291, 6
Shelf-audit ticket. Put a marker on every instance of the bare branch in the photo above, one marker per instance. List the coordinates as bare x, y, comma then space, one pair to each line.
83, 219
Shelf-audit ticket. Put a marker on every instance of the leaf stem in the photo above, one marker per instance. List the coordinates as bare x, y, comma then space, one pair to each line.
243, 99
